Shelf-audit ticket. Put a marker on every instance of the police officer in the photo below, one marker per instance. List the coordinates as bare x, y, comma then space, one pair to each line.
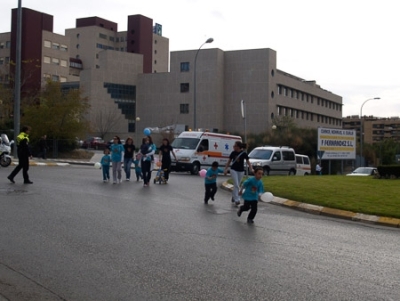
24, 154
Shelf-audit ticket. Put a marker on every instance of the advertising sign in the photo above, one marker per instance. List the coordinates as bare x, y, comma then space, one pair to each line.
336, 144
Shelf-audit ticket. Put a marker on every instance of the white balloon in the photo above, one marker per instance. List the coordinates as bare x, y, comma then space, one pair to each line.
97, 165
267, 197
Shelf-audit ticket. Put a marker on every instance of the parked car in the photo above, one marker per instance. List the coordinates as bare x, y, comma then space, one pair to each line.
303, 166
94, 142
364, 171
274, 160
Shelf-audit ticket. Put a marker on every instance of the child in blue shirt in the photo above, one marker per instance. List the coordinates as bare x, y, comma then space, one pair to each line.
117, 157
210, 181
253, 188
138, 169
105, 165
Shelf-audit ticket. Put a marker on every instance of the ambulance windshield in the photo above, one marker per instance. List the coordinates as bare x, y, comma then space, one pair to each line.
185, 143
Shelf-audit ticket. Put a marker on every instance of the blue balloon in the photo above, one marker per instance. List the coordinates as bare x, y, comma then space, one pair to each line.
147, 132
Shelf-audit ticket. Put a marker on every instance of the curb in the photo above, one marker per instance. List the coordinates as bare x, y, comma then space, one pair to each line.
315, 209
35, 163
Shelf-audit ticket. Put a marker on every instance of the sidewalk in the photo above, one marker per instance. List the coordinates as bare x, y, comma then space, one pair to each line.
314, 209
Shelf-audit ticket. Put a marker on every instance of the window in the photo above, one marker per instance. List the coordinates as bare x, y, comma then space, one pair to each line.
185, 67
1, 61
55, 78
63, 63
8, 44
111, 39
2, 45
117, 40
63, 47
155, 62
63, 79
47, 60
102, 36
184, 87
47, 44
77, 46
184, 108
55, 61
56, 46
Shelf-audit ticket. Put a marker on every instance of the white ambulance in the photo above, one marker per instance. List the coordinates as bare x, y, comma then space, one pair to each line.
198, 150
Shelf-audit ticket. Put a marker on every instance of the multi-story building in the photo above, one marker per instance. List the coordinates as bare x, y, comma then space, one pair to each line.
126, 77
375, 129
223, 79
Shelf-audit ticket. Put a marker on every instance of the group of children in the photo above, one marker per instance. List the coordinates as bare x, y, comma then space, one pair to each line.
251, 189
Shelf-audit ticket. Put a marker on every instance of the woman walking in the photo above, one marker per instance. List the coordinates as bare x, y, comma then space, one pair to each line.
129, 152
237, 157
147, 151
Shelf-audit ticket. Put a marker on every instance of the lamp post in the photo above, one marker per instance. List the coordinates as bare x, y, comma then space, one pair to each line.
136, 127
361, 129
210, 40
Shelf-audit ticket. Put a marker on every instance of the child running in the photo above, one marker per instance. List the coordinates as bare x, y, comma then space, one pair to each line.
210, 181
105, 165
253, 188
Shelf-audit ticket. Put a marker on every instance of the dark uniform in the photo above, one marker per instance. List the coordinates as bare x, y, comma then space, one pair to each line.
24, 154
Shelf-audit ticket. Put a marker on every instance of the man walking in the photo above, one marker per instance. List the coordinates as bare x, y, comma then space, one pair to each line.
24, 154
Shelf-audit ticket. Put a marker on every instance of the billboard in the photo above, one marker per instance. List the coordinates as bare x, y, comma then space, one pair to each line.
336, 144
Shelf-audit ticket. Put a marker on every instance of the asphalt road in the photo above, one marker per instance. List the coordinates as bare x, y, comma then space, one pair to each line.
69, 236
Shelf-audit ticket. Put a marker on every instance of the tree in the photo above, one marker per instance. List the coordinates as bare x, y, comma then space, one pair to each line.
57, 113
105, 120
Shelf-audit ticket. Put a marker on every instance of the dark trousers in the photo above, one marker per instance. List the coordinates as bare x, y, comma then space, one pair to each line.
166, 166
211, 190
146, 171
250, 205
24, 165
106, 172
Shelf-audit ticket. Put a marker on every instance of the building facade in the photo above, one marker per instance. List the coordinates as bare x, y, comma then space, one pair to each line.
375, 129
127, 76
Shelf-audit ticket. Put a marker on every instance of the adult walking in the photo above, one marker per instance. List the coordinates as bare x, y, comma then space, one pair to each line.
128, 157
117, 157
238, 156
147, 150
165, 157
24, 154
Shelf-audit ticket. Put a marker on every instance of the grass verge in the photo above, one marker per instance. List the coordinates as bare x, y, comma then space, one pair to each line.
358, 194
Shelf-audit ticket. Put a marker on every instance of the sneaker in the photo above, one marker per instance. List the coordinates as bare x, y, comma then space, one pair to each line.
144, 185
206, 202
239, 212
28, 182
114, 182
127, 180
237, 204
119, 181
11, 179
250, 221
212, 198
104, 181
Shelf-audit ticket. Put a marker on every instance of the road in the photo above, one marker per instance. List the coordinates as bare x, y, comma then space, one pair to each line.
69, 236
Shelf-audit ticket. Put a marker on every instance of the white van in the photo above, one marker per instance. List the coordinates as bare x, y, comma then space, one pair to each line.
274, 160
197, 150
303, 166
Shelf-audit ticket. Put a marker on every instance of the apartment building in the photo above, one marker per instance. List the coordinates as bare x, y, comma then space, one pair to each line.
375, 129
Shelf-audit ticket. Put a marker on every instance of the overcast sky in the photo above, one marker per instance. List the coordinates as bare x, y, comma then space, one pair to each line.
350, 47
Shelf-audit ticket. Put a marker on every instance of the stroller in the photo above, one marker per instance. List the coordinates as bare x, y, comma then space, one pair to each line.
160, 179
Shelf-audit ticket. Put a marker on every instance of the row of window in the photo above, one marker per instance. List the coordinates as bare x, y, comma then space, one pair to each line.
112, 39
55, 78
4, 60
106, 47
299, 114
5, 45
54, 45
293, 93
55, 61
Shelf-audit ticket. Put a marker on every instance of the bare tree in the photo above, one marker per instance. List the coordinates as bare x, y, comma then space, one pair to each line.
105, 120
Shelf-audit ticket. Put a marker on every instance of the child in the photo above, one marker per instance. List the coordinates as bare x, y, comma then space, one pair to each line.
105, 165
210, 181
117, 157
138, 169
253, 189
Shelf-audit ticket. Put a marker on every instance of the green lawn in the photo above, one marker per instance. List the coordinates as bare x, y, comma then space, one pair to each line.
358, 194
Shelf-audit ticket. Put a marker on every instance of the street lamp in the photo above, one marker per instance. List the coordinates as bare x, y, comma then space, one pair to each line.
210, 40
361, 128
136, 128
